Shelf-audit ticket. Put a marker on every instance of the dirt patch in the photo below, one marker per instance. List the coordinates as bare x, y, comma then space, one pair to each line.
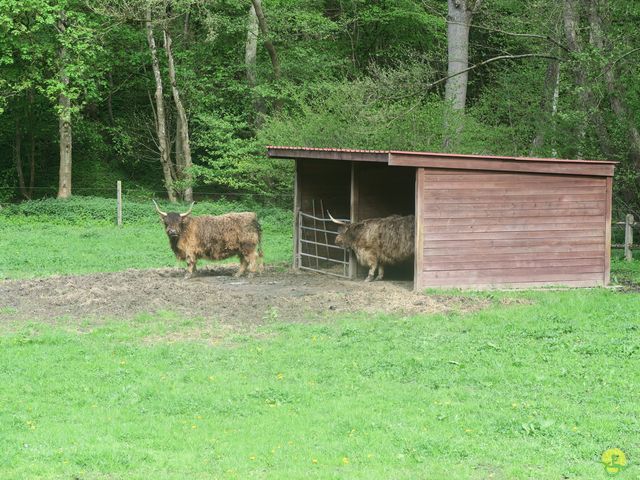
515, 301
276, 295
628, 286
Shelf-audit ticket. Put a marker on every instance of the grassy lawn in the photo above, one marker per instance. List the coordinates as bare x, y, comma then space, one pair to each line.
50, 249
521, 390
536, 386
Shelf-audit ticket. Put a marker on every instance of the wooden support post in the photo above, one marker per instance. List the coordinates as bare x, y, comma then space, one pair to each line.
315, 230
607, 230
324, 227
297, 206
628, 237
298, 256
419, 212
354, 215
119, 201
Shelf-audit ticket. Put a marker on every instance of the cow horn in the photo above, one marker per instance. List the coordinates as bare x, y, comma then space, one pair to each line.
188, 211
164, 214
334, 220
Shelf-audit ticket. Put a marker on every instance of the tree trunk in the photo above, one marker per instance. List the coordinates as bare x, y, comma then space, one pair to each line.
183, 147
251, 47
32, 164
459, 17
161, 122
618, 105
250, 55
622, 112
185, 27
268, 44
548, 104
17, 155
64, 126
554, 105
110, 99
64, 120
458, 24
571, 20
179, 150
32, 146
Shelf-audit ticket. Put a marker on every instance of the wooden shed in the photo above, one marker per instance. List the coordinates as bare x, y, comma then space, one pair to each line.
481, 221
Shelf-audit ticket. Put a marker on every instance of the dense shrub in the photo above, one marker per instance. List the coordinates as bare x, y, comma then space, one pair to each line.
360, 114
91, 210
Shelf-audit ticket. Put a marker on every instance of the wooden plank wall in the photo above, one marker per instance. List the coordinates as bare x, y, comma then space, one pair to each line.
512, 229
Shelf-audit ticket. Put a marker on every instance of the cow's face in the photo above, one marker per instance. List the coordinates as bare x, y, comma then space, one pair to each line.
343, 227
173, 224
340, 237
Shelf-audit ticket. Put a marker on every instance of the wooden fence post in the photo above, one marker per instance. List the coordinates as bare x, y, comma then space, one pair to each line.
628, 237
119, 196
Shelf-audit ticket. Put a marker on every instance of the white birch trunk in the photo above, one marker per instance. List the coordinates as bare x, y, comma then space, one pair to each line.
250, 55
64, 120
458, 23
183, 146
460, 13
161, 123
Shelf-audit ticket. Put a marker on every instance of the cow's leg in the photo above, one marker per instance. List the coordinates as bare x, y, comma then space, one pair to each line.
372, 272
380, 272
260, 261
243, 266
257, 257
191, 266
252, 260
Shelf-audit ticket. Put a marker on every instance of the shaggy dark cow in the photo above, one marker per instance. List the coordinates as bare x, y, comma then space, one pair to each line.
378, 241
214, 238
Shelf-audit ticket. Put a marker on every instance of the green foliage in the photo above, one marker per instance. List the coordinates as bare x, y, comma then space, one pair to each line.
8, 183
236, 164
622, 271
80, 211
76, 210
363, 114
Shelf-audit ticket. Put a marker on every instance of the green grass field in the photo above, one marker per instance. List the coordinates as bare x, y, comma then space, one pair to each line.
43, 238
537, 386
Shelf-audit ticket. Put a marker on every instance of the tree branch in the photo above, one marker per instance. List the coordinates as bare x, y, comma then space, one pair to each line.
612, 64
476, 6
490, 60
549, 38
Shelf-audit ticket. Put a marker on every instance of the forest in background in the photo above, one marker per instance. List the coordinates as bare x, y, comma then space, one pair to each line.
179, 97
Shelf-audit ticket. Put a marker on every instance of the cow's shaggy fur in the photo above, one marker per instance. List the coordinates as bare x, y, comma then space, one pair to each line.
215, 238
379, 241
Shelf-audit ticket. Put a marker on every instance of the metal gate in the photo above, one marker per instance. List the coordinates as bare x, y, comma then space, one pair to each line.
317, 250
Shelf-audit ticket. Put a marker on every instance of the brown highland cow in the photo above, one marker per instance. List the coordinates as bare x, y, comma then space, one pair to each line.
378, 241
215, 238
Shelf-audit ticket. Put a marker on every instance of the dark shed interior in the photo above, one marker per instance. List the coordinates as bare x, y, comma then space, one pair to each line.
324, 184
382, 191
354, 190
